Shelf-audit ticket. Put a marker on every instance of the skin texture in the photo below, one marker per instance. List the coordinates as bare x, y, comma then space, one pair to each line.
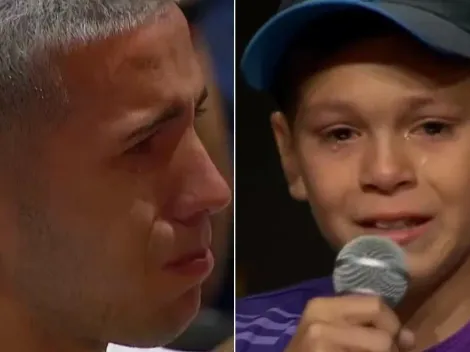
383, 126
90, 217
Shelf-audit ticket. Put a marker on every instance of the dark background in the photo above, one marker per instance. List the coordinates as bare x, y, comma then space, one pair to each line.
277, 242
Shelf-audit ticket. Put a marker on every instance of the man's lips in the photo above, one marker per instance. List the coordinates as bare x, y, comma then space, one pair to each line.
194, 263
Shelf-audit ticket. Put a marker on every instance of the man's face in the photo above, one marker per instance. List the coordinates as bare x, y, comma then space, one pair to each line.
381, 145
111, 232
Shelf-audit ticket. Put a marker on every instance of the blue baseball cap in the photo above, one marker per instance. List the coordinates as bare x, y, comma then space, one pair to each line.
441, 25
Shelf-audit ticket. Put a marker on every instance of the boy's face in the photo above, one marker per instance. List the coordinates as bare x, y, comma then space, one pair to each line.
381, 145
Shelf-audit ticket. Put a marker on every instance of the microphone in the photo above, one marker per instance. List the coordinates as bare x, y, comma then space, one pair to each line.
372, 265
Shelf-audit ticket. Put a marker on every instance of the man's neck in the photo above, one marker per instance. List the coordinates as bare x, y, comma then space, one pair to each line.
444, 312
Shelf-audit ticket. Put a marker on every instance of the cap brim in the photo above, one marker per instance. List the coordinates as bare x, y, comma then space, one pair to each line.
270, 42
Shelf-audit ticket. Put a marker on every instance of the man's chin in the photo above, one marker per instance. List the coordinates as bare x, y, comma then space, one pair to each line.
168, 325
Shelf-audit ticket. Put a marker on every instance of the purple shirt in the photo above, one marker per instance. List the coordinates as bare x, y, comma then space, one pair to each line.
267, 322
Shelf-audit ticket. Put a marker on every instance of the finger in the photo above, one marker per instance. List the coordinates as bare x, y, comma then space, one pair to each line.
353, 309
323, 346
349, 338
306, 345
375, 312
406, 340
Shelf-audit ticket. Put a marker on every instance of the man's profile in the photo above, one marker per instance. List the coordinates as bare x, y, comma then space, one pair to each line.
106, 190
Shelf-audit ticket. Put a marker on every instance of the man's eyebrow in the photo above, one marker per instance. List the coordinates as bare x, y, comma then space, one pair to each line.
151, 125
169, 113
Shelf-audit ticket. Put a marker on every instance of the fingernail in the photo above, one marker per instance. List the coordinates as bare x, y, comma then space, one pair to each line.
406, 338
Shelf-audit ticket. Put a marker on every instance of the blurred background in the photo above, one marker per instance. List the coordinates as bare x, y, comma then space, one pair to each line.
211, 23
278, 243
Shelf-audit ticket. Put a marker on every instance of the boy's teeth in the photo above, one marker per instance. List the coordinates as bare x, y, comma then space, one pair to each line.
393, 224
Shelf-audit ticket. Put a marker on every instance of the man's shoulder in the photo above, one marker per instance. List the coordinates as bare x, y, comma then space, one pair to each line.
267, 321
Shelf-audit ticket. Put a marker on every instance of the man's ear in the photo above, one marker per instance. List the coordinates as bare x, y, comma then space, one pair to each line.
286, 148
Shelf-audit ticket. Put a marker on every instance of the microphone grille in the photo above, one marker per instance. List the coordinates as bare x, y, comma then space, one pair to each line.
372, 265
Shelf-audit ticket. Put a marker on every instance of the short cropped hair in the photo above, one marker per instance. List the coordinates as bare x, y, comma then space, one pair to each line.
31, 30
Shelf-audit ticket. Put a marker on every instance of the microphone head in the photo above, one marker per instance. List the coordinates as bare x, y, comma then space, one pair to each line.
372, 265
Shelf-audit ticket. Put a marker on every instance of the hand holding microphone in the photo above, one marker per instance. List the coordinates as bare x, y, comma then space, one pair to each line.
371, 270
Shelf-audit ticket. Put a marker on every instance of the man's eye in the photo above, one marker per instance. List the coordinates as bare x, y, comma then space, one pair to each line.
145, 146
142, 147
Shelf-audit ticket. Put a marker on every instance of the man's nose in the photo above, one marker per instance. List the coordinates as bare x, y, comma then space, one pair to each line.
202, 187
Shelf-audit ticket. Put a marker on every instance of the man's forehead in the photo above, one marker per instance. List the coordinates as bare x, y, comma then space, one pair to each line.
157, 48
138, 75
